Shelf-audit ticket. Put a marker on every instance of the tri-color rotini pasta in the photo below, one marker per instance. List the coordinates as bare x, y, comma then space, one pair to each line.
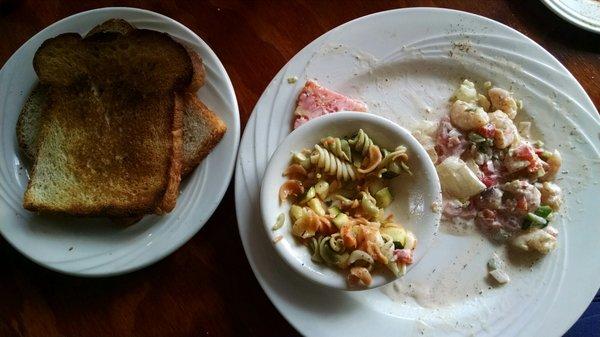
338, 193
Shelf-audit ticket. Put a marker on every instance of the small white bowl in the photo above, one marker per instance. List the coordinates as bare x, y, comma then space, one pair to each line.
414, 196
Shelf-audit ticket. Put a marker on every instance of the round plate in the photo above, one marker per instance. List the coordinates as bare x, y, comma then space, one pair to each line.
581, 13
96, 247
405, 64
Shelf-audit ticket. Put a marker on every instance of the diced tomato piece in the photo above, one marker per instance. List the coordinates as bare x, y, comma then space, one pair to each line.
488, 181
522, 203
488, 168
524, 152
487, 131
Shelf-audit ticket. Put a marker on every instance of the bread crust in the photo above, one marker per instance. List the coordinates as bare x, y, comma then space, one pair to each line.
214, 129
170, 196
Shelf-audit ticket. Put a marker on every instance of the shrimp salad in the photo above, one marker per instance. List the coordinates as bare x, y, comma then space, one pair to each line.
338, 192
493, 174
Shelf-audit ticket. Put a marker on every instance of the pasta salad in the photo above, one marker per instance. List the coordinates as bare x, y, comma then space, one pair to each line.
338, 191
492, 172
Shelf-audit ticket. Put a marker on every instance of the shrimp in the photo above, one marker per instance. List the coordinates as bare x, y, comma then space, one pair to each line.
535, 239
551, 195
468, 116
526, 197
506, 132
502, 100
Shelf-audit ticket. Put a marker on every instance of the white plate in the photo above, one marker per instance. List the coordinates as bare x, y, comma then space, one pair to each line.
97, 247
582, 13
402, 62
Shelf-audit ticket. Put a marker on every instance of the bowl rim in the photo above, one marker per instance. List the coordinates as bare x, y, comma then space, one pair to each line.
287, 145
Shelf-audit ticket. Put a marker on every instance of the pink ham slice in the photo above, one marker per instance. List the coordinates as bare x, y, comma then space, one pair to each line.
315, 101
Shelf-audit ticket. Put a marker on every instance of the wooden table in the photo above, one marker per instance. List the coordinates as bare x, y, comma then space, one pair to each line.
207, 287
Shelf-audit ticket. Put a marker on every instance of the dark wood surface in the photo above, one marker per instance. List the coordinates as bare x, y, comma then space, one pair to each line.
206, 288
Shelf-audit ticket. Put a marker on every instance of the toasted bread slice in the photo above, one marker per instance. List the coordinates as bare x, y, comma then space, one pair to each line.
142, 60
118, 26
113, 158
202, 128
30, 121
202, 131
111, 136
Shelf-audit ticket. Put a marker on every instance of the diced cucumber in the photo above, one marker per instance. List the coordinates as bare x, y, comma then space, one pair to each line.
315, 205
533, 220
384, 197
333, 211
544, 211
398, 235
322, 189
340, 220
375, 186
311, 193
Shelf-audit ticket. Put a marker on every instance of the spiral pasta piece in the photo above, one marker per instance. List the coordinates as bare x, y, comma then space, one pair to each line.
390, 157
337, 146
332, 165
361, 142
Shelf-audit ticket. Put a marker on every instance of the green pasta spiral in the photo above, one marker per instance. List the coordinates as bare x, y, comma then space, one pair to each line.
339, 147
361, 142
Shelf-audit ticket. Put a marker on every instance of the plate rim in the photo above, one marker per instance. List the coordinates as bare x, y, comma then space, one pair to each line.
557, 8
240, 180
229, 165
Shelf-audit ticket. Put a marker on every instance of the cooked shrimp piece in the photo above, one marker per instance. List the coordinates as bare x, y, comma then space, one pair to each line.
551, 195
503, 100
468, 116
526, 196
506, 132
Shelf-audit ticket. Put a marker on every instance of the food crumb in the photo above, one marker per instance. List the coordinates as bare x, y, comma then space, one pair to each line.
277, 238
70, 248
436, 207
292, 79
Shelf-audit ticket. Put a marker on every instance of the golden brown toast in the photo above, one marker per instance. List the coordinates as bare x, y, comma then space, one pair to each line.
196, 113
202, 131
111, 136
202, 128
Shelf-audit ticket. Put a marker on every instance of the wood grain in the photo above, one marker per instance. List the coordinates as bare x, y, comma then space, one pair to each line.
207, 287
